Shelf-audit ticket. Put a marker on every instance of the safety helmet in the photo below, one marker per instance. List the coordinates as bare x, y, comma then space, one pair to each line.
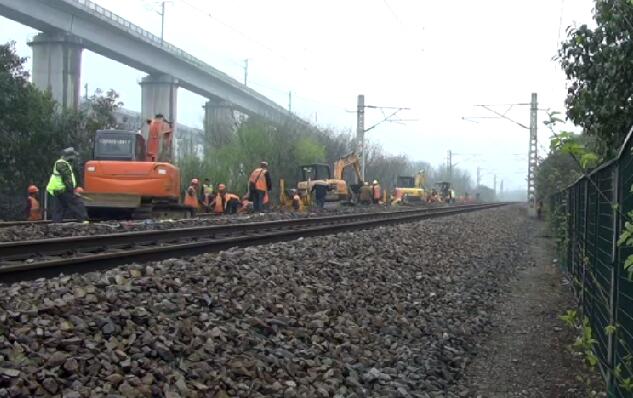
195, 181
33, 189
375, 181
221, 187
79, 190
69, 152
263, 163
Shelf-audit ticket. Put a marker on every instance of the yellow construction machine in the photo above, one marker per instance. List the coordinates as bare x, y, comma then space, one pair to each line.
319, 174
410, 189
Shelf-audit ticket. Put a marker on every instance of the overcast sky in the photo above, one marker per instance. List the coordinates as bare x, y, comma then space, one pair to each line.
439, 58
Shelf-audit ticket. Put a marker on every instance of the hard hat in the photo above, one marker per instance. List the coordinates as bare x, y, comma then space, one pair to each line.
194, 181
221, 187
33, 189
69, 152
375, 181
263, 163
79, 190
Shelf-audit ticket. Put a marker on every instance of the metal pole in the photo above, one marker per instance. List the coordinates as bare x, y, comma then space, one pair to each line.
360, 132
532, 155
495, 184
289, 101
478, 177
450, 166
162, 22
245, 71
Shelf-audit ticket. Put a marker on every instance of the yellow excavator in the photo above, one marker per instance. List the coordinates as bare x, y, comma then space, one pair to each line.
319, 174
410, 189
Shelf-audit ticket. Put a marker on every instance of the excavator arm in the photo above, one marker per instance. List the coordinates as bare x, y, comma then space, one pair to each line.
347, 160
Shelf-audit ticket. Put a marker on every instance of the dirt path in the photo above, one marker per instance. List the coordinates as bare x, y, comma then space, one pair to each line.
526, 354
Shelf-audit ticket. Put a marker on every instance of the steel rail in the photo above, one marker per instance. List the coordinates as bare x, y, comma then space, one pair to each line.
29, 259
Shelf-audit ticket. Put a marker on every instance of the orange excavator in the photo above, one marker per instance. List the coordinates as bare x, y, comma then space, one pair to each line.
131, 177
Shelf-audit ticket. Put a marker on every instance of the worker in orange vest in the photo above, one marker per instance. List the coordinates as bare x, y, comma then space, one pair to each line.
191, 197
296, 201
246, 205
33, 210
225, 202
376, 192
259, 184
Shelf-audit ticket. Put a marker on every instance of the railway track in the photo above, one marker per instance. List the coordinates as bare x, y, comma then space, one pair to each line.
47, 257
7, 224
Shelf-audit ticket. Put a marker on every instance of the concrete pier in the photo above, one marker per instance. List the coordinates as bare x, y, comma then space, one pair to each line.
219, 123
57, 66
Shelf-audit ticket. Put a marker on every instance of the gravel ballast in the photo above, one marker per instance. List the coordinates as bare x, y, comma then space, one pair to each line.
389, 312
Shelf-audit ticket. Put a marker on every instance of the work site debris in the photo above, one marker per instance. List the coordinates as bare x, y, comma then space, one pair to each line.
388, 312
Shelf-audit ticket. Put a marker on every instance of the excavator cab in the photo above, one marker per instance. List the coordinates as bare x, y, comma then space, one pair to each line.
317, 171
406, 182
119, 145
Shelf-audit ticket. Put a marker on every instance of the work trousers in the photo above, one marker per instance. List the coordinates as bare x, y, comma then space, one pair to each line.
258, 200
67, 203
232, 206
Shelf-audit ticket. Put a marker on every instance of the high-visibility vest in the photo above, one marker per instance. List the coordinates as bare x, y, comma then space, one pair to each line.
296, 202
221, 202
36, 211
258, 177
190, 199
218, 206
55, 183
377, 192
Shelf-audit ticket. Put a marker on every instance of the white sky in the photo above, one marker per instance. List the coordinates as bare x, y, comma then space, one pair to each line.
438, 58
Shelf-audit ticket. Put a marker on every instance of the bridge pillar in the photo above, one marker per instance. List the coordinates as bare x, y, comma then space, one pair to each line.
159, 94
219, 123
57, 66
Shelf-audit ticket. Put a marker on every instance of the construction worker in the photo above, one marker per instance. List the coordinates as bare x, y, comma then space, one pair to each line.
365, 196
246, 204
225, 202
61, 187
191, 196
33, 210
296, 201
259, 184
376, 192
206, 192
320, 190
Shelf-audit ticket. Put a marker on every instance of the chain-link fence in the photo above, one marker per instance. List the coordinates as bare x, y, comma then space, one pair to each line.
588, 218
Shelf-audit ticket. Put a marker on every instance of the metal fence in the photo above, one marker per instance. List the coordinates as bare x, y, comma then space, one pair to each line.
589, 216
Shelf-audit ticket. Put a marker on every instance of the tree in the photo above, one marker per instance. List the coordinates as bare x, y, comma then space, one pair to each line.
598, 64
33, 130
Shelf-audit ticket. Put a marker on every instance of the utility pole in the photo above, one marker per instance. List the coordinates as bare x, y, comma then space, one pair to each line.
86, 91
450, 166
289, 101
478, 177
162, 22
495, 184
360, 132
245, 72
532, 156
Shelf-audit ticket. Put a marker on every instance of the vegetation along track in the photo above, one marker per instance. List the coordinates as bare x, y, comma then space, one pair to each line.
46, 257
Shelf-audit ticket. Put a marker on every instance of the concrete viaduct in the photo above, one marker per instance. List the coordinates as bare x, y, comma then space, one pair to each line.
69, 26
